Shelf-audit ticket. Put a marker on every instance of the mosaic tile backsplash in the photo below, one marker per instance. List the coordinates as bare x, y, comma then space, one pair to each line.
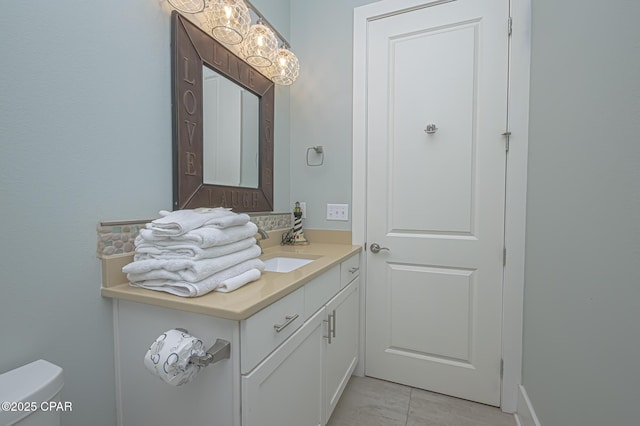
118, 237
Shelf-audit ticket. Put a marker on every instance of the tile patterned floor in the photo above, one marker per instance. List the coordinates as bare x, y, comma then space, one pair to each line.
371, 402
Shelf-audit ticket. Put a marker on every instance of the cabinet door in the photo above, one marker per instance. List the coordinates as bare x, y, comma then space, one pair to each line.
342, 352
286, 388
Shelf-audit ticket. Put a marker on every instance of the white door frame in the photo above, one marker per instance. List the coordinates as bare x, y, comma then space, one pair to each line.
516, 184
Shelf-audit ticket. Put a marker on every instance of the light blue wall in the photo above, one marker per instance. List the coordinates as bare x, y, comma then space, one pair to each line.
85, 135
321, 105
582, 288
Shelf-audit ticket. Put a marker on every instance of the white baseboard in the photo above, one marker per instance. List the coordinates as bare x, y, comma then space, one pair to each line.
526, 415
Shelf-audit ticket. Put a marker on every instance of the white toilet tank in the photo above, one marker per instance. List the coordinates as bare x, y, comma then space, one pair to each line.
26, 388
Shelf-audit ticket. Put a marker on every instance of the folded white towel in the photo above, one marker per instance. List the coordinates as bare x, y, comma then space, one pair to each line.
204, 237
229, 221
146, 250
237, 282
181, 221
231, 278
186, 269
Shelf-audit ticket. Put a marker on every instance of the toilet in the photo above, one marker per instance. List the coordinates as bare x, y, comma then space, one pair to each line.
27, 387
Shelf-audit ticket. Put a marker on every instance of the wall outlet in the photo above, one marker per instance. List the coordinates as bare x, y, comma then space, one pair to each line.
303, 207
337, 211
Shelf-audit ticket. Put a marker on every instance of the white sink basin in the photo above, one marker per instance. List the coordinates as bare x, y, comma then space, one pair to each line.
285, 264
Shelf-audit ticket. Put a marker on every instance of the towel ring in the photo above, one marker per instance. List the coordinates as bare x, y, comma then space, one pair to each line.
319, 150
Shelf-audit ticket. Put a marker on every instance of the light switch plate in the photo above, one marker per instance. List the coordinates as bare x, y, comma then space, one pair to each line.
337, 211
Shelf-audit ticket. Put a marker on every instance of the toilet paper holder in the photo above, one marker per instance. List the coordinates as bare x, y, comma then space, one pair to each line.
220, 350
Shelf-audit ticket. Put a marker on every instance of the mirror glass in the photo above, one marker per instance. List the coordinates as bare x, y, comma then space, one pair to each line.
230, 131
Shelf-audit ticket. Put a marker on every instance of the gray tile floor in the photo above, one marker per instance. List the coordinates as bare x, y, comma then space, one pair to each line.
371, 402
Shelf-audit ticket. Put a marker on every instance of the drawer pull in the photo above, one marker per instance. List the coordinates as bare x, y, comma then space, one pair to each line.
333, 329
328, 336
331, 326
354, 270
289, 320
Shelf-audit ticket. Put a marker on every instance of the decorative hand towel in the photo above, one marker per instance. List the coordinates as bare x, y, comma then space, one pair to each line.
186, 269
236, 282
146, 250
168, 357
204, 237
194, 289
182, 221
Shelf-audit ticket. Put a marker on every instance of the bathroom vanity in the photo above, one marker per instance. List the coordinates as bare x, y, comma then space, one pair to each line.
294, 344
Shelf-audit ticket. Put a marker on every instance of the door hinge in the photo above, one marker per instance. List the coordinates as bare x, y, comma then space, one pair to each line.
507, 135
501, 368
504, 256
510, 26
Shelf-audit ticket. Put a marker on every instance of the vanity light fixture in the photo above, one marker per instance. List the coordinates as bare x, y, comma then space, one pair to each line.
259, 47
285, 68
229, 20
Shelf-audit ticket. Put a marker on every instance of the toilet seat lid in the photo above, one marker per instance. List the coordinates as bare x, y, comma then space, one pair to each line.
37, 381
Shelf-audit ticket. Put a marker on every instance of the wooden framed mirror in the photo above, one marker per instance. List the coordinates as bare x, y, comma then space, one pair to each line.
194, 51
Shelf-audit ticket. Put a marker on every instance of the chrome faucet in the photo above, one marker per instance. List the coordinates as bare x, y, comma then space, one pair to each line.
264, 236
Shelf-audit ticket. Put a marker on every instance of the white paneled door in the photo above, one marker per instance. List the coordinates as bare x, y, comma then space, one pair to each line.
436, 111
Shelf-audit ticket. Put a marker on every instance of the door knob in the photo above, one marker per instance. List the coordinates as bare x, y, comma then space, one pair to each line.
375, 248
431, 129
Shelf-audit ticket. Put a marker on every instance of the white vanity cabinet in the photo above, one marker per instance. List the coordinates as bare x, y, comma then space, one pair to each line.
286, 388
300, 383
289, 361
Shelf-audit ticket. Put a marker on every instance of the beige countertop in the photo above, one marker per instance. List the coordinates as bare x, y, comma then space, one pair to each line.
243, 302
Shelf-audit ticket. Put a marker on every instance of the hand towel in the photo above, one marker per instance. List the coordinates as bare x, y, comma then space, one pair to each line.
186, 269
146, 250
236, 282
204, 237
194, 289
182, 221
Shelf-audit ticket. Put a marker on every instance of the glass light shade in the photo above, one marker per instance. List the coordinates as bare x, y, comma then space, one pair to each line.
229, 20
188, 6
259, 46
285, 68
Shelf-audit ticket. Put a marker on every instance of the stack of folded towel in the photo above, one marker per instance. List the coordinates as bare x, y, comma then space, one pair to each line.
192, 252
